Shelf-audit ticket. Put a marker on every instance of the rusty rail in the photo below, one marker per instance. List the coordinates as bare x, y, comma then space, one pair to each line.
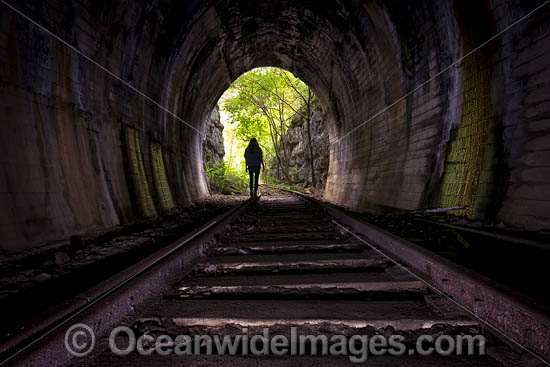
520, 319
188, 248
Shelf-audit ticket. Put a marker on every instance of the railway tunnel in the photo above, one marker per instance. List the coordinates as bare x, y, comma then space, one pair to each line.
432, 104
415, 125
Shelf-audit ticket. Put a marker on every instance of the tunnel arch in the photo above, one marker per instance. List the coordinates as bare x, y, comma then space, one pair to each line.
358, 56
281, 111
317, 55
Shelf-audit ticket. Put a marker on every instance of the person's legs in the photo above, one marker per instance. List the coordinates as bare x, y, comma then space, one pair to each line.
254, 173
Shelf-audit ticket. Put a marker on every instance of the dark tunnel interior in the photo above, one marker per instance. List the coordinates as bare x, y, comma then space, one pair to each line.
419, 116
437, 115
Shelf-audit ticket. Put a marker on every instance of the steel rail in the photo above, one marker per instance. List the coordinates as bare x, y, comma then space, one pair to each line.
498, 236
56, 318
525, 324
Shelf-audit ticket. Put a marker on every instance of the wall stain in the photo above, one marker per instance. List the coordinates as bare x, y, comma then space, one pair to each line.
468, 178
162, 188
142, 200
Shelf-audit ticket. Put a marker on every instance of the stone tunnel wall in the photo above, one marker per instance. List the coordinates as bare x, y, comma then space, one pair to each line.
81, 151
474, 136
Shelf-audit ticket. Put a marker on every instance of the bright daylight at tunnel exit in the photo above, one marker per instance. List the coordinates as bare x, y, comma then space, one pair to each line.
275, 183
281, 112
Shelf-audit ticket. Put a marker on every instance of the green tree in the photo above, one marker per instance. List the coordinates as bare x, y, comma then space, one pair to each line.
261, 104
308, 98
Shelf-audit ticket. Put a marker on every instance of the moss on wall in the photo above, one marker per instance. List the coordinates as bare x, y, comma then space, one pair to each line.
162, 189
141, 195
469, 153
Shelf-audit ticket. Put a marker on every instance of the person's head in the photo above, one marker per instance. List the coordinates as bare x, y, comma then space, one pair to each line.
253, 145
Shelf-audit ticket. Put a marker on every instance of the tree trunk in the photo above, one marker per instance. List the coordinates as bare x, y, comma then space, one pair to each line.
276, 147
309, 137
286, 158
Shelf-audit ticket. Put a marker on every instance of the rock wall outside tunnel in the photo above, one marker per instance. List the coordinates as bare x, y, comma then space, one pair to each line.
81, 151
296, 139
212, 146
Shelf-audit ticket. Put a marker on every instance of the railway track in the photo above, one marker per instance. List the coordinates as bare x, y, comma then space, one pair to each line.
284, 265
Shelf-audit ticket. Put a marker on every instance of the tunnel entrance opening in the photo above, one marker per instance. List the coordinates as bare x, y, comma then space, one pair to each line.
282, 112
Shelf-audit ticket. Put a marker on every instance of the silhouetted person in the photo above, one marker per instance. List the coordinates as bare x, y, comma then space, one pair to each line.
254, 158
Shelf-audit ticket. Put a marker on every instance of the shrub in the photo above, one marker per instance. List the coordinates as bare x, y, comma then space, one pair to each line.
225, 179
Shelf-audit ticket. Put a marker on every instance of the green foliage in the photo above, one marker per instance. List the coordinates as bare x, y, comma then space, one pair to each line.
225, 179
261, 104
260, 96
